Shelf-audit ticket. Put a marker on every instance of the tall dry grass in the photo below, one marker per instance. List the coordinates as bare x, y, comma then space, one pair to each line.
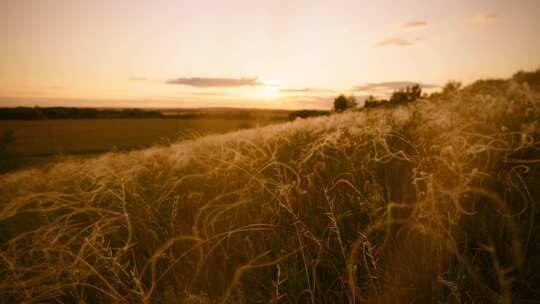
434, 201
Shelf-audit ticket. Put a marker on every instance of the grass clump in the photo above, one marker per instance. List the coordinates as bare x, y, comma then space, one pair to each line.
430, 201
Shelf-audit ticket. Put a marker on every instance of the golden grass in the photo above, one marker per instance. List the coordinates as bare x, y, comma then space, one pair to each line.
433, 201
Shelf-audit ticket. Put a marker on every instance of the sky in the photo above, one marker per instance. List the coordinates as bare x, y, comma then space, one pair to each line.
288, 54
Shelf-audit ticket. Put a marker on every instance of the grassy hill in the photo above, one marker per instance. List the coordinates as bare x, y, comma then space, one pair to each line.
430, 201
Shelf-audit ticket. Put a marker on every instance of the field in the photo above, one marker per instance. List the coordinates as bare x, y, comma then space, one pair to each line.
43, 140
432, 201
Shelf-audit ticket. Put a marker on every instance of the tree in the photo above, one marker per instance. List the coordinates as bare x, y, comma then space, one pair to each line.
415, 92
407, 95
370, 102
452, 87
342, 103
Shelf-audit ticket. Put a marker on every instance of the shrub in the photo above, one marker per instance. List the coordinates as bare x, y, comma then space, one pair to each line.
530, 78
372, 102
451, 88
342, 103
408, 94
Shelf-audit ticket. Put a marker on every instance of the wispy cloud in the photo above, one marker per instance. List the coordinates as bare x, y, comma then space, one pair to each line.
205, 82
416, 24
486, 18
386, 87
306, 90
394, 42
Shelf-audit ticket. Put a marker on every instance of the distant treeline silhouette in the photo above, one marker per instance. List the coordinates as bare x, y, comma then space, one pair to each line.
307, 113
408, 94
37, 113
401, 96
486, 87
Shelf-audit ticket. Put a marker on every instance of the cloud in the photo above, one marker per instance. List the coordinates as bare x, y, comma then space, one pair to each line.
203, 82
395, 42
306, 90
386, 87
486, 18
414, 24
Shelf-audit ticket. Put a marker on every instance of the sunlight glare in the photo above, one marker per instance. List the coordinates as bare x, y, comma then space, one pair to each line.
269, 92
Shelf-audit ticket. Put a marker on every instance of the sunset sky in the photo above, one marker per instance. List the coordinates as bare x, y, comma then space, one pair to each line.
264, 54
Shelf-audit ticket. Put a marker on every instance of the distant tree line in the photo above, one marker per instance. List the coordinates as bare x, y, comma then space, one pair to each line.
401, 96
238, 114
493, 87
307, 113
36, 113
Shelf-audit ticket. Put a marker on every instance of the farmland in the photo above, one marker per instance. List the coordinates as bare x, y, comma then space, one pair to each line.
80, 136
38, 142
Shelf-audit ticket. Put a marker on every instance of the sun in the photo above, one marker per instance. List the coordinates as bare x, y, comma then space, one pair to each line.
269, 92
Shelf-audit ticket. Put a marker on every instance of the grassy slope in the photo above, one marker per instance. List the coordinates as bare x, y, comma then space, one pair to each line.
431, 201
